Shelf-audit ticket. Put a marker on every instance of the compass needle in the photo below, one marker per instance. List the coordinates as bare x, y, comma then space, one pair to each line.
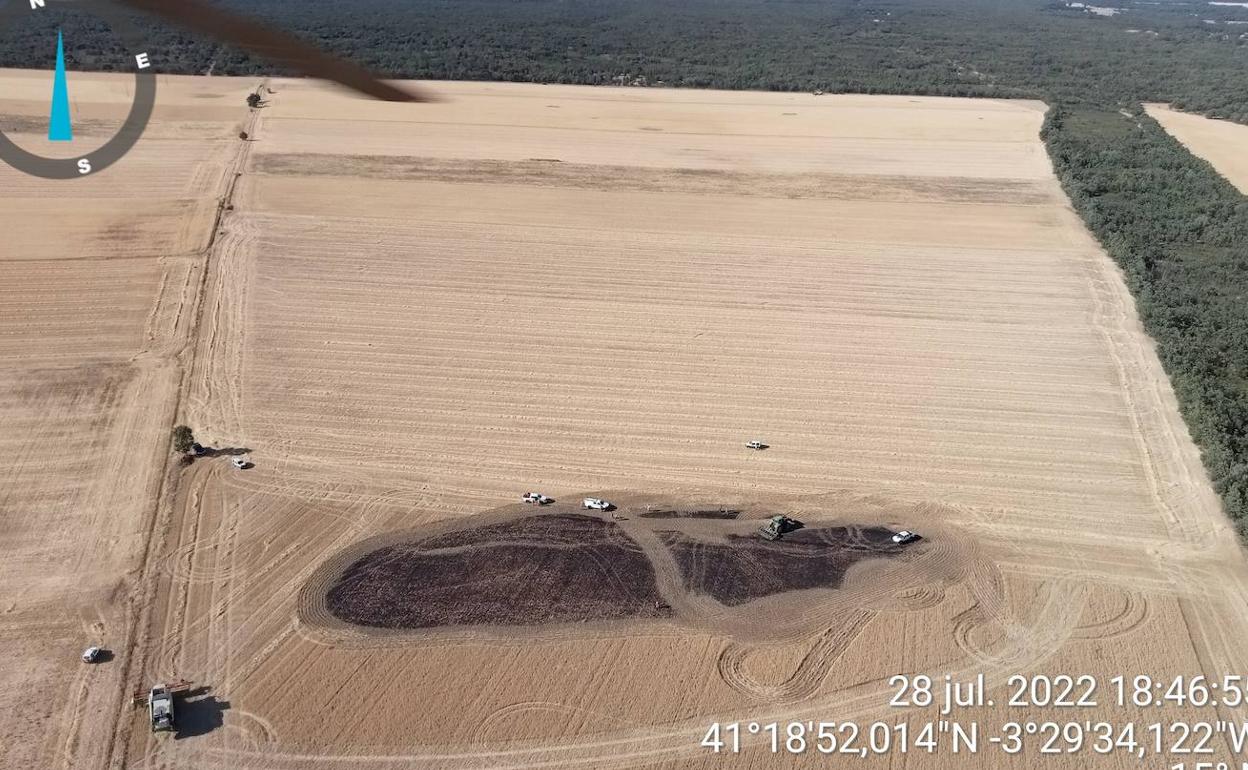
60, 128
196, 15
140, 59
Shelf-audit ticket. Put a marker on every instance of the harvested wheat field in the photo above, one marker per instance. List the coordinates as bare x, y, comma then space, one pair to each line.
412, 314
98, 284
1220, 142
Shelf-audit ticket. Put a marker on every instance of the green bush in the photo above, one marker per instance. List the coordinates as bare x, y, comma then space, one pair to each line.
183, 439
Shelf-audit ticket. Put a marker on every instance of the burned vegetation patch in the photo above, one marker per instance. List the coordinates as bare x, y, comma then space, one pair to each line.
717, 513
742, 568
542, 569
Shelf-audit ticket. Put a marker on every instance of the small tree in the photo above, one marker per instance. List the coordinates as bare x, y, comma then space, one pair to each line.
183, 439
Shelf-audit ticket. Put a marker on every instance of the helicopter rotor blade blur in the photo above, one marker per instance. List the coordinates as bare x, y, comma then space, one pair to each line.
274, 45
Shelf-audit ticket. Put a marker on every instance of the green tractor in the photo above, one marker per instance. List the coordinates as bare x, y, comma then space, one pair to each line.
777, 526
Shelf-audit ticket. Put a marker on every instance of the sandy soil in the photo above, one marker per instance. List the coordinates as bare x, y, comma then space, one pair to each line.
1220, 142
408, 318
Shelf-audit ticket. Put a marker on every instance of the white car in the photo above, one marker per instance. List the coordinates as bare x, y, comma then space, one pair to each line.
905, 536
755, 445
537, 498
240, 462
91, 654
596, 504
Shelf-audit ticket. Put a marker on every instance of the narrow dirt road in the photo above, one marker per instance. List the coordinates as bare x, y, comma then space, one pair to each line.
149, 599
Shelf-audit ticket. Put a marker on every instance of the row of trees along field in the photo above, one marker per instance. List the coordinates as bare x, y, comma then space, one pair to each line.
1174, 225
1180, 233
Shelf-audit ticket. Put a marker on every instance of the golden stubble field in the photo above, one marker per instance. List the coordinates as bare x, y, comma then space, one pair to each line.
415, 313
98, 283
1220, 142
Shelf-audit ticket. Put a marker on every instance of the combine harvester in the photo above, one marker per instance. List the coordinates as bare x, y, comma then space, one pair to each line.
777, 526
159, 702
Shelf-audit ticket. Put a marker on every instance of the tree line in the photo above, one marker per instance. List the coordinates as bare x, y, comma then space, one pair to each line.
1002, 48
1180, 233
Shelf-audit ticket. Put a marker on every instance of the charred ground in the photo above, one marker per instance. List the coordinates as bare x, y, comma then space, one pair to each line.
537, 570
742, 568
717, 513
565, 566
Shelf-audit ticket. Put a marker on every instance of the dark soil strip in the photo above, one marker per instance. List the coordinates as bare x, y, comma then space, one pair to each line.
720, 513
38, 124
552, 172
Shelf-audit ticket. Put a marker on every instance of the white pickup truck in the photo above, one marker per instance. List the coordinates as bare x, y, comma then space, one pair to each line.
596, 504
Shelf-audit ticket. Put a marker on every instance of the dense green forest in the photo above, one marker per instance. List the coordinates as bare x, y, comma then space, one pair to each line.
1179, 231
1161, 51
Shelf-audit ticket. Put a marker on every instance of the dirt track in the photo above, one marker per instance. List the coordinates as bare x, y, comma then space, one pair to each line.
941, 347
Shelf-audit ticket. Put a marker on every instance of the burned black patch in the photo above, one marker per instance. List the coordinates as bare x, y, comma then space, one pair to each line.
740, 568
542, 569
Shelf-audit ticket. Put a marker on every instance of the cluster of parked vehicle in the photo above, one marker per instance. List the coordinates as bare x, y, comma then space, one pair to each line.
774, 529
591, 503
